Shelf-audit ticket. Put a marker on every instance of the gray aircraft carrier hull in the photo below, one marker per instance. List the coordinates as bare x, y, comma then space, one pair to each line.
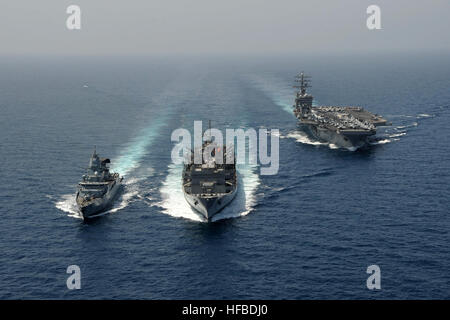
98, 206
211, 205
348, 140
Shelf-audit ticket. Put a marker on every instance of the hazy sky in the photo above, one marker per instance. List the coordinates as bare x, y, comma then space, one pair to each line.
145, 27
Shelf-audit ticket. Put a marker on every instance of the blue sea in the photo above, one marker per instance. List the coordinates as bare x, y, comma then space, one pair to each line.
308, 232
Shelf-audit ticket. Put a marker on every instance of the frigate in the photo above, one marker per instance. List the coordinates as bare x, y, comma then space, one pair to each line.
343, 126
212, 184
98, 188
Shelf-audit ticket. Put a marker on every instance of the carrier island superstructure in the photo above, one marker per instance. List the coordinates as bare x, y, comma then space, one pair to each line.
344, 126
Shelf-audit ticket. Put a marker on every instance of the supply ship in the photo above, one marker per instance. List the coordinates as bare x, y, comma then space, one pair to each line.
211, 185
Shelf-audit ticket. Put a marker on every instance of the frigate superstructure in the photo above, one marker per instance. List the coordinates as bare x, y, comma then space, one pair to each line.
343, 126
212, 184
98, 188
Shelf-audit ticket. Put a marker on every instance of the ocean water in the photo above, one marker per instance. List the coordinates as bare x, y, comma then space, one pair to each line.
309, 232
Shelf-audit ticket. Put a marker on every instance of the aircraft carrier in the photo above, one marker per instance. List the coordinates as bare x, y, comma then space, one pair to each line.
98, 188
209, 186
344, 126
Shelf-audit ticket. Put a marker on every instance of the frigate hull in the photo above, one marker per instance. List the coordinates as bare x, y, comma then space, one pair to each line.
349, 139
209, 206
98, 206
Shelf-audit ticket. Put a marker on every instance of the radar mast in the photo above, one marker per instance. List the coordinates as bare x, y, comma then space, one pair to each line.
304, 82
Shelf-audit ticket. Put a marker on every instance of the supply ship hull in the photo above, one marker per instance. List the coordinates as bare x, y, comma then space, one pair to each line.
211, 185
209, 206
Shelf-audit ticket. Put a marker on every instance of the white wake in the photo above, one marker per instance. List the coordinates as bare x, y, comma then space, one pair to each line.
131, 156
281, 95
303, 137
